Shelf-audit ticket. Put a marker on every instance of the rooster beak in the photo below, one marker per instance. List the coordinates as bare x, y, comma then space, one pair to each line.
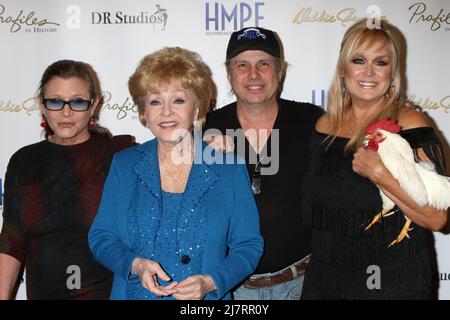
366, 140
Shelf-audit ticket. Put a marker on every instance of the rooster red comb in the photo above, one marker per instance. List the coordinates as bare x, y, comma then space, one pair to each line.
384, 124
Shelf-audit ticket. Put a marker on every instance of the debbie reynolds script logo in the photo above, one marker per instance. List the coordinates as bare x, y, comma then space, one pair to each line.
22, 19
430, 104
420, 14
344, 17
123, 108
28, 106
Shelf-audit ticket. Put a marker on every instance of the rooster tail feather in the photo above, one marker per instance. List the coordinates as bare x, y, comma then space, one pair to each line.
411, 181
437, 186
427, 165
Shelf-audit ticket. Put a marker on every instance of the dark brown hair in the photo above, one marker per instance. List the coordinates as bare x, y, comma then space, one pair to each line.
67, 69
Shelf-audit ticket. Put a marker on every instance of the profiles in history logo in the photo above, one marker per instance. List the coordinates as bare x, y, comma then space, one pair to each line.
436, 18
27, 20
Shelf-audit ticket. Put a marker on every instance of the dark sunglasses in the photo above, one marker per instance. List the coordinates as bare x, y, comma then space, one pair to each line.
256, 178
77, 105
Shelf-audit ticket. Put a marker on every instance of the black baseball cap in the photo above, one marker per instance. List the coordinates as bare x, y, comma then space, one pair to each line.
253, 38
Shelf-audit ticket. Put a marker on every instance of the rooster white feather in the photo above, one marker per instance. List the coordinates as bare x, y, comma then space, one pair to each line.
419, 180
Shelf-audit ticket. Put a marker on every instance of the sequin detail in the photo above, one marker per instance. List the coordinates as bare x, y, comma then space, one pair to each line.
154, 217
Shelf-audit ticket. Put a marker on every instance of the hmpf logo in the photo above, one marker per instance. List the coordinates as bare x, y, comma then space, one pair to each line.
223, 20
318, 97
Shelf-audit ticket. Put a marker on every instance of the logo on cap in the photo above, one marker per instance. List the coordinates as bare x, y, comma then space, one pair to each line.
251, 34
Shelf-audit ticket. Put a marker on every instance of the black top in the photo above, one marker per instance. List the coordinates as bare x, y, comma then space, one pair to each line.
286, 239
52, 194
338, 205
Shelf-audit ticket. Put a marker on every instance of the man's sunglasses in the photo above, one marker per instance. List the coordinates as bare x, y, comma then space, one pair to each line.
256, 178
77, 105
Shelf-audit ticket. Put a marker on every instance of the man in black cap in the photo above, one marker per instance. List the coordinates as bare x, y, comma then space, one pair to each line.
276, 134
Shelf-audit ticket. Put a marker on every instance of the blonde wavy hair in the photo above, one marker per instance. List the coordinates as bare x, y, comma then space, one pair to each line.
358, 38
169, 65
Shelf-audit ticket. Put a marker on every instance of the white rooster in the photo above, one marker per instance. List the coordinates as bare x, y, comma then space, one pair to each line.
419, 180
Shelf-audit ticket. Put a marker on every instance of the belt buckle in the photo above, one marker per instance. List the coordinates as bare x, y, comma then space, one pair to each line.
255, 282
248, 284
267, 281
301, 267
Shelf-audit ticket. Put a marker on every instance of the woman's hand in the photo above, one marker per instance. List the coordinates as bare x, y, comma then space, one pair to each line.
194, 287
368, 164
221, 143
9, 272
148, 272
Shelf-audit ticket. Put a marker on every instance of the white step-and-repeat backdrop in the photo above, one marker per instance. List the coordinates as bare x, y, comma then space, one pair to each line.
113, 35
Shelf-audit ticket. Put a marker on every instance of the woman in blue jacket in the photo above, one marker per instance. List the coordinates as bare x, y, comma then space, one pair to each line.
176, 220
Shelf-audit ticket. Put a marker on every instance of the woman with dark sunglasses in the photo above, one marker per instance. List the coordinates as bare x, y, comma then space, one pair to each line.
53, 188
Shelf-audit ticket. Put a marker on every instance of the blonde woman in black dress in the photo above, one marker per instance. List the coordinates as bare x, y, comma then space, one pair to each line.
341, 189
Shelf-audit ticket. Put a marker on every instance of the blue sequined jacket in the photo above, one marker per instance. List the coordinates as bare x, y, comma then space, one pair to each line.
218, 230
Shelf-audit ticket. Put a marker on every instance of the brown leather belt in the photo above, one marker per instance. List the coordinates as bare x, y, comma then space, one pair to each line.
255, 281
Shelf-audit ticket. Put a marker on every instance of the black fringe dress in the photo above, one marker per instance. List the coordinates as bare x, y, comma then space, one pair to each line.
347, 261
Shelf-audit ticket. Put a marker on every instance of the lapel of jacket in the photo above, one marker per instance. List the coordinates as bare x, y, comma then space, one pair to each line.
147, 169
201, 179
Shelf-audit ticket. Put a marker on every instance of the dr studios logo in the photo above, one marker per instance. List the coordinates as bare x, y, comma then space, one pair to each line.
158, 18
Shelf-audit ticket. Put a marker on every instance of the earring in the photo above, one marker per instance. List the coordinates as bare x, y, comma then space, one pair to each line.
197, 125
43, 122
391, 87
342, 83
392, 84
91, 123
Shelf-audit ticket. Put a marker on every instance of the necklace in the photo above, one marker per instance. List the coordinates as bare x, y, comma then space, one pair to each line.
351, 122
171, 176
350, 129
174, 181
